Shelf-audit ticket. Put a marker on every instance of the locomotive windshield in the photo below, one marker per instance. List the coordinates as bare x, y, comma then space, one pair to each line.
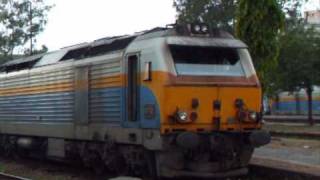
208, 61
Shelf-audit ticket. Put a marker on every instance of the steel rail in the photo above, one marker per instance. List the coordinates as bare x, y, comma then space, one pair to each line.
290, 119
5, 176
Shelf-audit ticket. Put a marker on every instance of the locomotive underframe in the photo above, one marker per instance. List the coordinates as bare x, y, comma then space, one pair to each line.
213, 155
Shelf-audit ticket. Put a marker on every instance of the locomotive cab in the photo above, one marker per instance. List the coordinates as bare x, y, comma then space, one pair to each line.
215, 85
195, 83
202, 92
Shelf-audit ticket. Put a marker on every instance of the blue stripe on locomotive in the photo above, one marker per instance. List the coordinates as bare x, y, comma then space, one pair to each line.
49, 107
146, 98
108, 106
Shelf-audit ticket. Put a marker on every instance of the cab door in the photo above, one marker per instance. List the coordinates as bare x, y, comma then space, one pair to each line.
132, 90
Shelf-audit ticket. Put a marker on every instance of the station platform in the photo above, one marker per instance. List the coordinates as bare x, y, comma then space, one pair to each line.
297, 151
290, 118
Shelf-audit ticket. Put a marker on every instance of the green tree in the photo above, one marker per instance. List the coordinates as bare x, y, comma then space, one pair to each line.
298, 54
259, 24
216, 13
299, 65
20, 22
293, 19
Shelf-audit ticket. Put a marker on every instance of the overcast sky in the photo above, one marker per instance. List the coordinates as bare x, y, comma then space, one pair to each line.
76, 21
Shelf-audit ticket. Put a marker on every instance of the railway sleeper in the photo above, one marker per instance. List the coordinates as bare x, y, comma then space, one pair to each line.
102, 157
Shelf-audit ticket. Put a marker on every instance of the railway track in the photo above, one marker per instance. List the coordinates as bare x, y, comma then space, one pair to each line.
290, 119
305, 135
267, 168
4, 176
292, 127
261, 168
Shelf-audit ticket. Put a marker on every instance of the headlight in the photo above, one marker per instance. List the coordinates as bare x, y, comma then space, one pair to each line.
253, 116
182, 116
197, 28
204, 28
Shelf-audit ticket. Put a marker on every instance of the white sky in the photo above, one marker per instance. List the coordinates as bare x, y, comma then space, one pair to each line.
76, 21
312, 5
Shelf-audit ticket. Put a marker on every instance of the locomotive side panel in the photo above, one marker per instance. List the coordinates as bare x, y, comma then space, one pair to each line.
150, 105
105, 101
42, 102
46, 96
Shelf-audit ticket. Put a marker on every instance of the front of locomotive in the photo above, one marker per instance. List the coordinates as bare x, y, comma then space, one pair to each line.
209, 99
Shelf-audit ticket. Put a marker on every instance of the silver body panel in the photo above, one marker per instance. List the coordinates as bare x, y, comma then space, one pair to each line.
81, 113
105, 103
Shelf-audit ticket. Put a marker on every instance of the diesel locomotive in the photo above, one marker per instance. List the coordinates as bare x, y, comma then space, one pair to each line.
183, 100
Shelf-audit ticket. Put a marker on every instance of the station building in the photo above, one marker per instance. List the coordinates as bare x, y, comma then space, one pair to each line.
312, 17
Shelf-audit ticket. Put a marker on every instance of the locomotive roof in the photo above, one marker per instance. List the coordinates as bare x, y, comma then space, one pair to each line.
95, 48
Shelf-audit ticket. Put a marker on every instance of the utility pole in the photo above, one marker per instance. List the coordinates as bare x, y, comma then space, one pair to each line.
30, 16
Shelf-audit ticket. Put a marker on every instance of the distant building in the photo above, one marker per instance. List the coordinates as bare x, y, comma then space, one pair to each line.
312, 18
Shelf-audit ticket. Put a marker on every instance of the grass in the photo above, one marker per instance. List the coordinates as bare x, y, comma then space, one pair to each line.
2, 167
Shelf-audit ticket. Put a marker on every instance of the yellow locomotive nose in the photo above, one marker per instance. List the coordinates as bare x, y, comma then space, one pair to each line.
210, 108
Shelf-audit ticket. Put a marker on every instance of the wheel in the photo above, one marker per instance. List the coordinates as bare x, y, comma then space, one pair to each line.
151, 163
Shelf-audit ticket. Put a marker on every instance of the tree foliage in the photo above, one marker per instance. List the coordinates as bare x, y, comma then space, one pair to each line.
216, 13
299, 65
293, 21
259, 24
20, 21
293, 12
299, 49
